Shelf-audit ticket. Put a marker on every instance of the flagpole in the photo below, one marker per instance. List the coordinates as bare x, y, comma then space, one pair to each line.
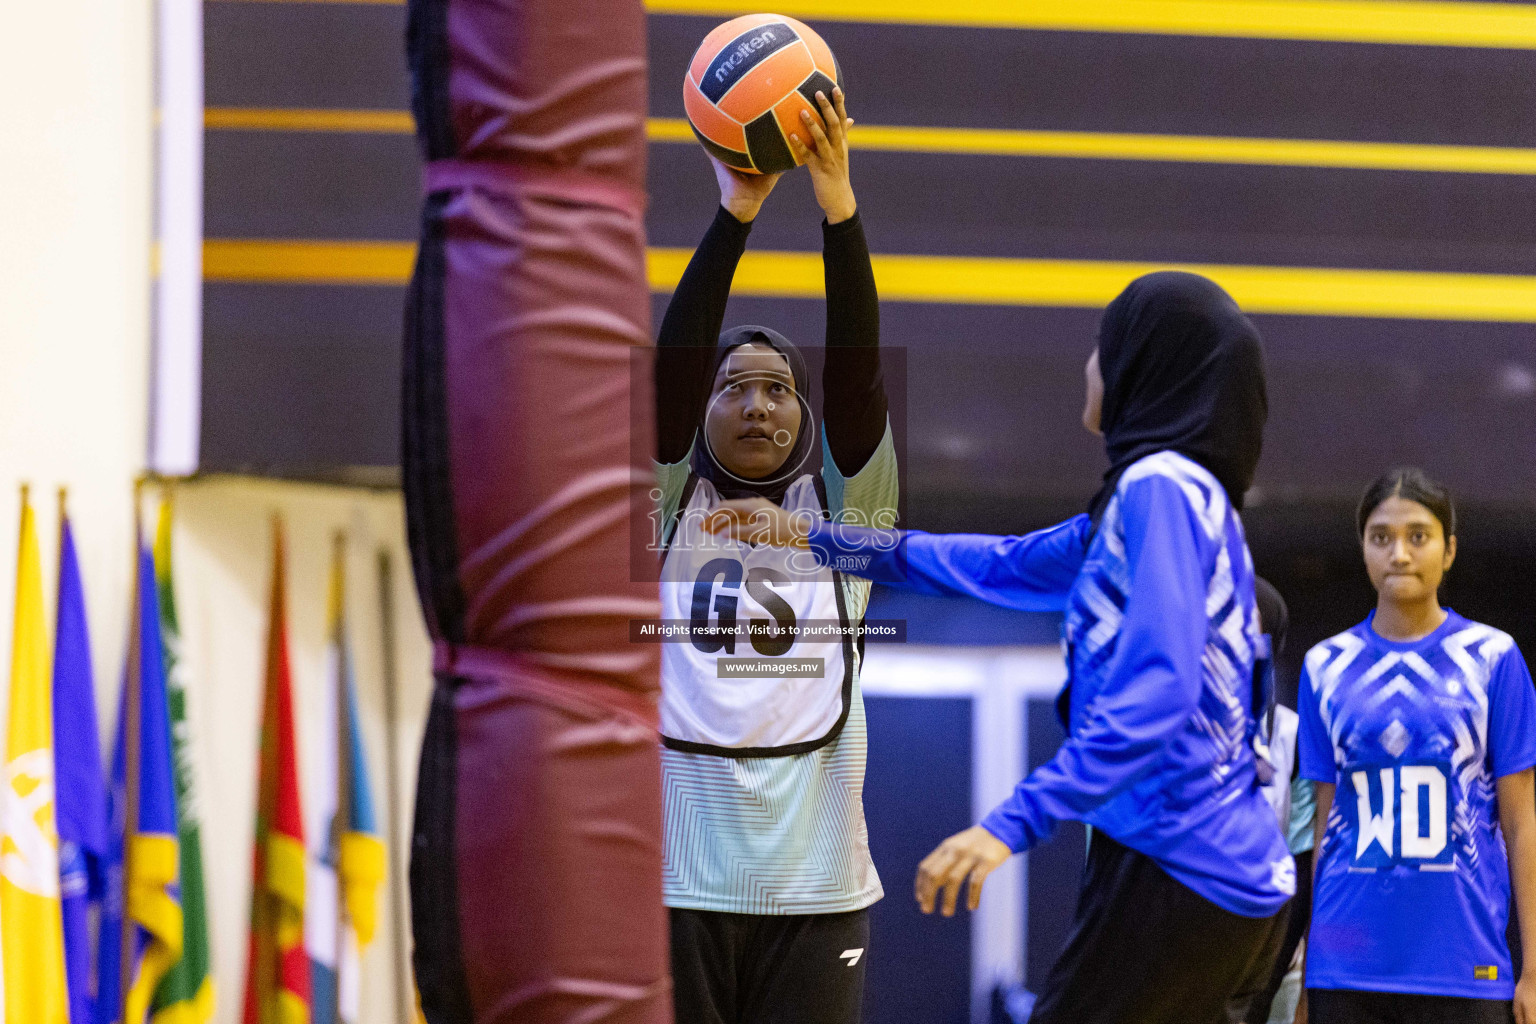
262, 910
132, 739
63, 521
405, 1002
342, 820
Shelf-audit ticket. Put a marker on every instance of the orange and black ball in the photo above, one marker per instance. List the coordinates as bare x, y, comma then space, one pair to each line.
748, 82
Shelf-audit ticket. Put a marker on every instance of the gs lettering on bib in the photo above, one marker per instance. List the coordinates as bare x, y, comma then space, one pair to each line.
744, 682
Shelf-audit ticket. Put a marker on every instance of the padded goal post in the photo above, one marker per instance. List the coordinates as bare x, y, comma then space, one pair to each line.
527, 434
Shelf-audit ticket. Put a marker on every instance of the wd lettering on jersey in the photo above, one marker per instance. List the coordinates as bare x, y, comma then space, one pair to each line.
1402, 816
741, 55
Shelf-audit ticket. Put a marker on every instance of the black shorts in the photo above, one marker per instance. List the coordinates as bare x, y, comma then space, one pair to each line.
1145, 949
1349, 1006
1299, 915
761, 969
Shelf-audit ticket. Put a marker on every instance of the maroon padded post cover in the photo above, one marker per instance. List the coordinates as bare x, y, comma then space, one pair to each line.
527, 432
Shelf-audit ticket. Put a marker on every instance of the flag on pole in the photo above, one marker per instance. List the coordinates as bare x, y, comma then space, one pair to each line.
31, 917
143, 853
347, 864
185, 996
82, 788
277, 969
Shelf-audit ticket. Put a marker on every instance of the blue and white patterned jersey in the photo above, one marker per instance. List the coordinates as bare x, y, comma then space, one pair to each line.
1161, 626
1412, 882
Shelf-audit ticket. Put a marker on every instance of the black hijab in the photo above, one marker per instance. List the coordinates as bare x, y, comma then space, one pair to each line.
727, 484
1274, 616
1183, 371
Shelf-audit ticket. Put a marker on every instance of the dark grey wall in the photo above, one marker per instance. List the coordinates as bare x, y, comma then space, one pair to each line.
302, 378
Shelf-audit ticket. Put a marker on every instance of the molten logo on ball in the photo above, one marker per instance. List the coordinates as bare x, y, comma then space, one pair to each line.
741, 53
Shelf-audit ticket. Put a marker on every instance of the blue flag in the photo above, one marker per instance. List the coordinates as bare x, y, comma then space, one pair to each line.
151, 891
81, 788
348, 866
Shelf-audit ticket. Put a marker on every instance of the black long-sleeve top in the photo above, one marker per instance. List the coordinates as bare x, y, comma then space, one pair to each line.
853, 391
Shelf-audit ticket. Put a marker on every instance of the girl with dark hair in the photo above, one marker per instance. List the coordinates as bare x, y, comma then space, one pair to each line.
1187, 870
767, 873
1419, 728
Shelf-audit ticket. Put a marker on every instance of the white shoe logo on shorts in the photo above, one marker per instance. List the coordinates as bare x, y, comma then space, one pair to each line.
851, 955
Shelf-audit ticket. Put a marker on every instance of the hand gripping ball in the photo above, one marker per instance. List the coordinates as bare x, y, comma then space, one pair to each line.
748, 82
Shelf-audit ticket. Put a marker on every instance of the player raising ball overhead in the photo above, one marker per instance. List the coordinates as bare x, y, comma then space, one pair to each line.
767, 870
1419, 728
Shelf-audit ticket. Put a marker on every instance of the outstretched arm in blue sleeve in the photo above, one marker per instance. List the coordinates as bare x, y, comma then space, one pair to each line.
1032, 572
1152, 685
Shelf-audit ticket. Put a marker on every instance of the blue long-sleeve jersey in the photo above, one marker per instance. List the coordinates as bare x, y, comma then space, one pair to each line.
1160, 627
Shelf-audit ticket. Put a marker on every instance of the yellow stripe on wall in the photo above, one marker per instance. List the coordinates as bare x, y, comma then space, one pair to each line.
263, 261
1306, 291
1211, 149
1494, 25
1393, 156
288, 119
1412, 22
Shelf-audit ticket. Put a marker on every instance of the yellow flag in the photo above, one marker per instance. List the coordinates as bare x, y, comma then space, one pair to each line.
31, 918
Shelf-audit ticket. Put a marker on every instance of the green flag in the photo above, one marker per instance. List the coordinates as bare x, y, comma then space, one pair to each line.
185, 995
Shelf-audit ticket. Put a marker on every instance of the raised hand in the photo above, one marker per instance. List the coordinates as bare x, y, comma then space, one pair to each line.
825, 152
742, 194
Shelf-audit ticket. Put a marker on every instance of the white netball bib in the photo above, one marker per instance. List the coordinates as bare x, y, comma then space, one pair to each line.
766, 667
